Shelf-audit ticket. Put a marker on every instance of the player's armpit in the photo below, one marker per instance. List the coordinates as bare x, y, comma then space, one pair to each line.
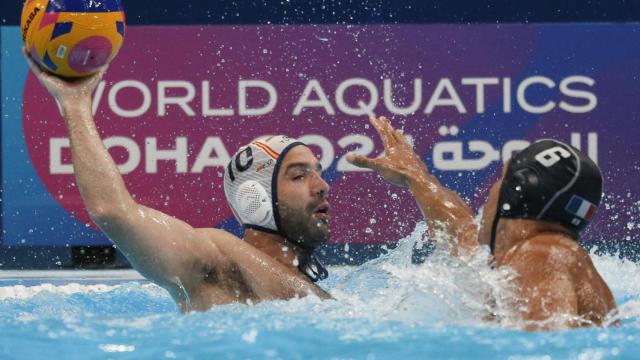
164, 249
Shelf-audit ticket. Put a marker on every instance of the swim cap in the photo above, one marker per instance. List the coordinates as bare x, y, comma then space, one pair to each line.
250, 182
251, 189
550, 181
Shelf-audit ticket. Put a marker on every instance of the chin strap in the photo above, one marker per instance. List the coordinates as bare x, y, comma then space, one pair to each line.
494, 227
313, 268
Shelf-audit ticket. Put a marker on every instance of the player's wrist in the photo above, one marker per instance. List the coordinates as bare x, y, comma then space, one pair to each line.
77, 108
75, 104
419, 179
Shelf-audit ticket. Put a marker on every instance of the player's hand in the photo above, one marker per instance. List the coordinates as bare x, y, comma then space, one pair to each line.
66, 91
399, 162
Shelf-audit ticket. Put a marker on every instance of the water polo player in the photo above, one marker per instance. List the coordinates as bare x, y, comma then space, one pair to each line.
531, 221
274, 187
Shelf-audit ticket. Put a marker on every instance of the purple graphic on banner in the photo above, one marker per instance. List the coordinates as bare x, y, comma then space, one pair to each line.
178, 101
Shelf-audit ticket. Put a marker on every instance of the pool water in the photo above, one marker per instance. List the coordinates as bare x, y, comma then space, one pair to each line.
387, 308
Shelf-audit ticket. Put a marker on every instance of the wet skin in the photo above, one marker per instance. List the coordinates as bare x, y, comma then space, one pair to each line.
556, 275
198, 267
302, 197
557, 282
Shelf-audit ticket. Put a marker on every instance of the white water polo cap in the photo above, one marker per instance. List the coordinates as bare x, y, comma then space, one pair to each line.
250, 182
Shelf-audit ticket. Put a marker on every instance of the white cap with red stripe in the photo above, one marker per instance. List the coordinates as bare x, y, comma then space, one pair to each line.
250, 182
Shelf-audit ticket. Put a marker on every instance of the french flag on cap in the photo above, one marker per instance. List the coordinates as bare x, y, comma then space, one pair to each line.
581, 208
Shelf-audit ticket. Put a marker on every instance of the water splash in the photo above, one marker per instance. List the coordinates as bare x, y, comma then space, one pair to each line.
442, 290
387, 307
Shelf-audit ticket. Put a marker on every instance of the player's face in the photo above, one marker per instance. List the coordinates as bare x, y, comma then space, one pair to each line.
302, 198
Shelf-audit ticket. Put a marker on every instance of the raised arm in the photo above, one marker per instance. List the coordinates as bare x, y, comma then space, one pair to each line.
162, 248
441, 207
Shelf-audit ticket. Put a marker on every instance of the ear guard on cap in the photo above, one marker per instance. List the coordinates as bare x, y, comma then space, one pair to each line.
517, 188
253, 202
250, 182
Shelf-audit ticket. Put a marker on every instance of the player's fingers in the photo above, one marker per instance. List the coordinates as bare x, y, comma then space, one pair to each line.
398, 135
100, 73
362, 161
32, 65
45, 78
386, 125
387, 139
92, 81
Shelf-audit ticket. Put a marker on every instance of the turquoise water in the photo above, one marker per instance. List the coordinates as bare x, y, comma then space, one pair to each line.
388, 308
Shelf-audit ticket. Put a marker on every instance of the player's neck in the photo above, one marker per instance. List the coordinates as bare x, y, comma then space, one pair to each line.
276, 246
514, 232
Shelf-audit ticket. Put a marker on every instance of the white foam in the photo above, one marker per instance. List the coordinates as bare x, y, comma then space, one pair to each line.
26, 292
622, 275
21, 292
451, 291
442, 290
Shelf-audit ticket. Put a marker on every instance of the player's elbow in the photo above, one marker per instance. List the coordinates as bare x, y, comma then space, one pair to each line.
104, 214
101, 215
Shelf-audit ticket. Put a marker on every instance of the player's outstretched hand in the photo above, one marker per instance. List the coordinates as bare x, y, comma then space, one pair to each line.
65, 90
400, 163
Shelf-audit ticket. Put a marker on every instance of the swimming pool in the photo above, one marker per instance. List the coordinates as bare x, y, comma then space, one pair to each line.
387, 308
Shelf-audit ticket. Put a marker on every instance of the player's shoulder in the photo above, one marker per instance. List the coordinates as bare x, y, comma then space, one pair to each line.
214, 233
227, 244
552, 249
217, 237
